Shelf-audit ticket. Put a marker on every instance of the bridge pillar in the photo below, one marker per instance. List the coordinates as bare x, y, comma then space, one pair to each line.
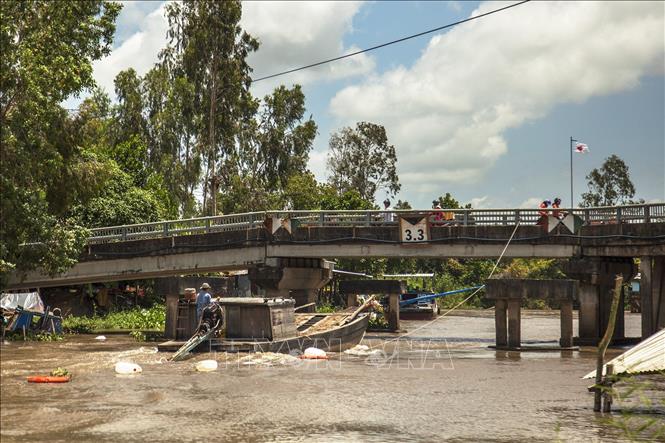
514, 323
566, 340
292, 277
393, 312
652, 294
596, 277
508, 295
500, 323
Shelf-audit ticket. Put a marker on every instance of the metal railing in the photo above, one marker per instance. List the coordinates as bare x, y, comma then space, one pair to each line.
645, 213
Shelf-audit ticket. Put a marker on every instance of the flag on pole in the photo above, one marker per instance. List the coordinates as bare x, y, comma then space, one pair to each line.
581, 148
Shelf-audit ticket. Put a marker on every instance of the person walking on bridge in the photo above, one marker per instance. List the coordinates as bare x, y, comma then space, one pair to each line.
203, 299
544, 205
555, 206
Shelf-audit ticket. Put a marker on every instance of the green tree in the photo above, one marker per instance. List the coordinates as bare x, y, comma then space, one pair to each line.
447, 201
47, 54
362, 159
208, 48
609, 186
120, 203
273, 147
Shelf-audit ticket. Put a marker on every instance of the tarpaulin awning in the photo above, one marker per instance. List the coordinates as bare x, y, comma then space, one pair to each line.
29, 301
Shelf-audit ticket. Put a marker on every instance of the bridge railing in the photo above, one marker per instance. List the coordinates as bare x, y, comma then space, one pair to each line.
169, 228
644, 213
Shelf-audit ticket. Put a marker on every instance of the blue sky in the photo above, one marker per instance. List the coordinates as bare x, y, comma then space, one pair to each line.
484, 110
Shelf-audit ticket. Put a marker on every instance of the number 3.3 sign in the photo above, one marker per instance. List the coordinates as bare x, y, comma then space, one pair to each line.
413, 231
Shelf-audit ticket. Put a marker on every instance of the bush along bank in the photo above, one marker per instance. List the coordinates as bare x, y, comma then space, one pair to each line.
153, 318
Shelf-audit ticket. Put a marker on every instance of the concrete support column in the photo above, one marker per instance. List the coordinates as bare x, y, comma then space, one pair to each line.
500, 323
652, 294
303, 297
646, 296
589, 329
171, 316
393, 314
606, 293
351, 300
566, 340
514, 323
658, 275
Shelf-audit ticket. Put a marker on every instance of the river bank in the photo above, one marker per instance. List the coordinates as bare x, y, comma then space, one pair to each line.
441, 382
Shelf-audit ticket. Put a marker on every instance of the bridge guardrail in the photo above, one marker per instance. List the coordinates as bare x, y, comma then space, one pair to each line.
645, 213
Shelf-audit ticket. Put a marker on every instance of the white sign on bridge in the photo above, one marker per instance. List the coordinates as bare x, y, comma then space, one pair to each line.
414, 230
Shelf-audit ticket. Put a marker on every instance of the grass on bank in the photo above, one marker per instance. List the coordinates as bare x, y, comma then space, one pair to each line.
137, 319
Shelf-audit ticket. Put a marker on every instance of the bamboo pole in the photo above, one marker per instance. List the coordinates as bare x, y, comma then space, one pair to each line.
602, 346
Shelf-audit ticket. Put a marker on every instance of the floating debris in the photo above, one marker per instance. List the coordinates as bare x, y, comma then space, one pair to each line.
206, 366
362, 351
125, 368
100, 337
268, 359
314, 354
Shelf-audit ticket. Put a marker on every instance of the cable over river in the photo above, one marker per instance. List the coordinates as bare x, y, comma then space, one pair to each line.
443, 383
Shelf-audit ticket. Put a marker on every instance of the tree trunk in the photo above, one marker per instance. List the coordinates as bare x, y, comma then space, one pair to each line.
213, 145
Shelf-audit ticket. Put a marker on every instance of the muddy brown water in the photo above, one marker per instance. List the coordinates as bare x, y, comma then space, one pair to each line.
440, 383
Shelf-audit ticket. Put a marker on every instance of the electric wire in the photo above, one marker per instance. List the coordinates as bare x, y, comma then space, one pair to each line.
383, 45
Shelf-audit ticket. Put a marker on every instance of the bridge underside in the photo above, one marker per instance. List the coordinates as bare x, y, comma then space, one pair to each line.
221, 251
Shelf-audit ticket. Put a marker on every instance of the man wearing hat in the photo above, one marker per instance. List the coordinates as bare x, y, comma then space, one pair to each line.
203, 299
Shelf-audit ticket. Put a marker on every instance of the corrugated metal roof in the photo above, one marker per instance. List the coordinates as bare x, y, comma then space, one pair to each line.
647, 356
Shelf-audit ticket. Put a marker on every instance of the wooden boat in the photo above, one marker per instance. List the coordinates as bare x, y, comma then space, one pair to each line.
424, 310
271, 325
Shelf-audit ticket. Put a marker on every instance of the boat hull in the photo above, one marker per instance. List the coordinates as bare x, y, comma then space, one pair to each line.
336, 339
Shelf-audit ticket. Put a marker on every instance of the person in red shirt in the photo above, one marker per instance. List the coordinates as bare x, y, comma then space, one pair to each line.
545, 204
555, 206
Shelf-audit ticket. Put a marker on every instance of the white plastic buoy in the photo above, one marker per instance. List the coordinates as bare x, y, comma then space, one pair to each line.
100, 337
123, 367
206, 366
314, 353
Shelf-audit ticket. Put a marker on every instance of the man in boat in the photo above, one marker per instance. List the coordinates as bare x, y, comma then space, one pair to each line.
203, 299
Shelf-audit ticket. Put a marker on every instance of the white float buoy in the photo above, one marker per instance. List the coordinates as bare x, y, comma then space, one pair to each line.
206, 366
100, 337
314, 353
123, 367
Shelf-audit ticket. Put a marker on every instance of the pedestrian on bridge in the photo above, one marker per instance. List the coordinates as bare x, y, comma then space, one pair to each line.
388, 215
203, 299
544, 205
555, 205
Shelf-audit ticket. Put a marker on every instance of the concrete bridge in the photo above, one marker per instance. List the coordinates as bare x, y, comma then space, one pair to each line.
284, 250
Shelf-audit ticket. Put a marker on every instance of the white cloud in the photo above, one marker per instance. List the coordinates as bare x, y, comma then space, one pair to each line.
318, 35
530, 203
317, 164
294, 34
448, 112
454, 6
481, 202
139, 51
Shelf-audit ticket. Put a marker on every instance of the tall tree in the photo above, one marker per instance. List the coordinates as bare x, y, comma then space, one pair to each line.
210, 48
610, 185
273, 146
47, 54
362, 159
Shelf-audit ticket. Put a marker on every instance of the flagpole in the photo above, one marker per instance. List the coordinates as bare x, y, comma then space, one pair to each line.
572, 203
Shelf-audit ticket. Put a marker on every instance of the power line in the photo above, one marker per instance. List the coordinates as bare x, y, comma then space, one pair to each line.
450, 25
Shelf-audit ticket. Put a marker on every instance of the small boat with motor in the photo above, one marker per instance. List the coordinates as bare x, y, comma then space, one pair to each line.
240, 324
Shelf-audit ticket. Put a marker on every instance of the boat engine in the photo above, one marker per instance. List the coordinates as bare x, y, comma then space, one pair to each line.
212, 319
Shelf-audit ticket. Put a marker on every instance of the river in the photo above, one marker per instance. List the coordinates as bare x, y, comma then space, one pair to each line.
440, 383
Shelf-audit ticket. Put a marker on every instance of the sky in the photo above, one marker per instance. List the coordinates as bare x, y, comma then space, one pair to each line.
484, 110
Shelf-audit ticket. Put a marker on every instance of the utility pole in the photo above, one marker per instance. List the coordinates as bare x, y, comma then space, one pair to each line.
572, 203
